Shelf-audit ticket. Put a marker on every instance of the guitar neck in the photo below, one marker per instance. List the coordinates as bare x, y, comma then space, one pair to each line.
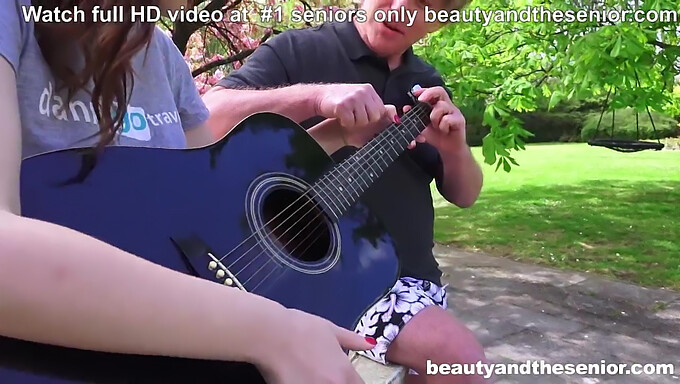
342, 186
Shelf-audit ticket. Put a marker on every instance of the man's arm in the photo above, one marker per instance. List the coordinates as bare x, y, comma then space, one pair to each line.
328, 134
263, 84
462, 177
332, 136
228, 106
268, 82
199, 136
356, 107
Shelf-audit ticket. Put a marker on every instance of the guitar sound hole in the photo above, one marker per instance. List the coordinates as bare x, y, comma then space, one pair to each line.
296, 224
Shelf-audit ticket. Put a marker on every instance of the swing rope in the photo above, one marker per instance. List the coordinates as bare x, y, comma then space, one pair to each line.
623, 145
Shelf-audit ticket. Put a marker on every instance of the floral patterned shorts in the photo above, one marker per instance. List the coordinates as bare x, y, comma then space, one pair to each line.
388, 316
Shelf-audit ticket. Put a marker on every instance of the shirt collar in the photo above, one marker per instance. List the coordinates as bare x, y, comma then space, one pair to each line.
356, 47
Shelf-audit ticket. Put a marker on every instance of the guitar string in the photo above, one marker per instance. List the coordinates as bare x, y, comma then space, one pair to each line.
372, 154
310, 233
415, 111
320, 225
266, 278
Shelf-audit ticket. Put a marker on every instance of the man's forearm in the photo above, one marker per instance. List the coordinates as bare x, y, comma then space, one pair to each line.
229, 106
462, 181
328, 134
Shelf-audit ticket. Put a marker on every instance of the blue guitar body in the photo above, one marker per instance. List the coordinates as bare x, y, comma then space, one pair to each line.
213, 212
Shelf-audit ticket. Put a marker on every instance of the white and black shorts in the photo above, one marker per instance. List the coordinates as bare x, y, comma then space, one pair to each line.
388, 316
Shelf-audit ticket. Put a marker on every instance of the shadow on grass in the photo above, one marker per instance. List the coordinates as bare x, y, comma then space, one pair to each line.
629, 230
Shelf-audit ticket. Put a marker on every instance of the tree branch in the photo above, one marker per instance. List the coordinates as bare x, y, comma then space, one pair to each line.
545, 76
235, 57
214, 64
183, 31
663, 45
309, 7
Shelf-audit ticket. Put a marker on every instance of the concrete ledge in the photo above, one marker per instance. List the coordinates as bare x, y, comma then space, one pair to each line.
375, 373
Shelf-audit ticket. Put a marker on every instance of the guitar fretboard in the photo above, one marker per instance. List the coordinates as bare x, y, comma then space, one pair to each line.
342, 186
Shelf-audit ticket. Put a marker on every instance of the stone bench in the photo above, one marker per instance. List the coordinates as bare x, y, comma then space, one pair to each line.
374, 373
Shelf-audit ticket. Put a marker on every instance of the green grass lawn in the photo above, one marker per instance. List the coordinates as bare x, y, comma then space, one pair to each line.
578, 207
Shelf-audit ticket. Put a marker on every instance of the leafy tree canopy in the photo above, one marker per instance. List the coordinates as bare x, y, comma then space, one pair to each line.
517, 56
516, 65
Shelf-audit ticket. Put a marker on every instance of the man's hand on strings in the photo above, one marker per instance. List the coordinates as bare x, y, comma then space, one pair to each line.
446, 130
356, 108
358, 135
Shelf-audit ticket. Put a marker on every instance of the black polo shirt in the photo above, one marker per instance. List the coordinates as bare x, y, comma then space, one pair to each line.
335, 53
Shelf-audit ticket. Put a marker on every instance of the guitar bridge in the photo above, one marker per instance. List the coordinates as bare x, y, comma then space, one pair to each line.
222, 273
203, 263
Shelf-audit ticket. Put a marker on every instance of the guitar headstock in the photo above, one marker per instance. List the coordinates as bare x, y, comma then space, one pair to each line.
414, 99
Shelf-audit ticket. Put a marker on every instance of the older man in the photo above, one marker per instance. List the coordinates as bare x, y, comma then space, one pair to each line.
344, 82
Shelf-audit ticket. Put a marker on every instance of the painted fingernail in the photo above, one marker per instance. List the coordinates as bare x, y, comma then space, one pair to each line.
371, 341
397, 119
416, 87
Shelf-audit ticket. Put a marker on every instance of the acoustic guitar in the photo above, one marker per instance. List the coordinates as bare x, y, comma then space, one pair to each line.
264, 210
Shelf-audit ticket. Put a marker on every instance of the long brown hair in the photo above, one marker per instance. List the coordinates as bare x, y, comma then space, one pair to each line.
104, 52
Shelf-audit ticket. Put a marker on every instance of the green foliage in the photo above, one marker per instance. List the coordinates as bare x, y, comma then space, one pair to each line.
553, 126
625, 126
545, 126
673, 106
502, 69
517, 66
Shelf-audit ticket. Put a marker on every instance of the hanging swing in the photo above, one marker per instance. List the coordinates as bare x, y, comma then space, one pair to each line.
625, 145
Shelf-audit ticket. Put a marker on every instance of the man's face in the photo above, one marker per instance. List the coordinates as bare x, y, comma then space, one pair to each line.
398, 31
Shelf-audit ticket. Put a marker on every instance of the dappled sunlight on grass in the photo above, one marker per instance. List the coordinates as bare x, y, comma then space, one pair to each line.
578, 207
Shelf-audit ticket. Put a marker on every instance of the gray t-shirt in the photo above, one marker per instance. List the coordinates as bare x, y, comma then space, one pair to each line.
163, 104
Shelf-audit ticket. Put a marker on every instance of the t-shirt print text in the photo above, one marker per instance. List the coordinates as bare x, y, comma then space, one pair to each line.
137, 122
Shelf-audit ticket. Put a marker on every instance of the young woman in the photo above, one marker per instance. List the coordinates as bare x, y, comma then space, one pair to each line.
59, 87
